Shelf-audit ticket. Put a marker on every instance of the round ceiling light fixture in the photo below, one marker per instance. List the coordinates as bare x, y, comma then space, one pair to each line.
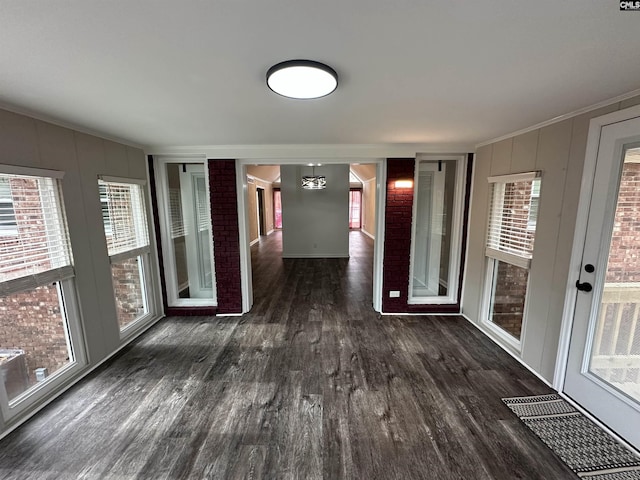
303, 79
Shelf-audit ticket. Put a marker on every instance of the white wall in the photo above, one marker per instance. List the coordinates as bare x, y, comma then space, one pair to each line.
28, 142
558, 150
369, 206
316, 222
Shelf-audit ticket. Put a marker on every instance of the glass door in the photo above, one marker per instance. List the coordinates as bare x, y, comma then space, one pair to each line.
437, 222
187, 241
603, 371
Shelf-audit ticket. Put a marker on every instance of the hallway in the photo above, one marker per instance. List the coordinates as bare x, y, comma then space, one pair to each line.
311, 384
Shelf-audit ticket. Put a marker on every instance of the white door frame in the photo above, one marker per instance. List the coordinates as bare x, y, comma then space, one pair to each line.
588, 177
457, 222
243, 220
162, 193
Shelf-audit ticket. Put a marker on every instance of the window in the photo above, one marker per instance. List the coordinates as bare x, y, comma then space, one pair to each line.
36, 290
355, 201
8, 225
513, 216
277, 209
127, 235
533, 205
436, 237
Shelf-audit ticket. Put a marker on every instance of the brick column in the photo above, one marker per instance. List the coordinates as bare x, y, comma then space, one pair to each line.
397, 234
226, 237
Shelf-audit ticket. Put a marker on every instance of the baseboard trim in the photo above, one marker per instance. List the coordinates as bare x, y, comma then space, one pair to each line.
512, 354
270, 231
315, 255
367, 234
55, 394
254, 242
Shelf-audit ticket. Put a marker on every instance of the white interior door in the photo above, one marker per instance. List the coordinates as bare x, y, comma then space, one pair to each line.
603, 369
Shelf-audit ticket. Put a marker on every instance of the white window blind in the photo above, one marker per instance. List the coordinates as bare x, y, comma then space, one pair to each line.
511, 232
39, 252
124, 219
202, 202
175, 213
7, 215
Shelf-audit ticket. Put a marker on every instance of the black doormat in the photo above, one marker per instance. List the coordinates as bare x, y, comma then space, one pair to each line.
588, 450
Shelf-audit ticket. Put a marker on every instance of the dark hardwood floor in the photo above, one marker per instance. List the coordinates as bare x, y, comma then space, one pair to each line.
311, 384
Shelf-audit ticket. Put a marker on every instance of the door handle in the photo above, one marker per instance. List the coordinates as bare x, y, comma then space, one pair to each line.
583, 287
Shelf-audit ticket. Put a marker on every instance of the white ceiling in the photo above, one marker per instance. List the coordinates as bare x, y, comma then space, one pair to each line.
160, 72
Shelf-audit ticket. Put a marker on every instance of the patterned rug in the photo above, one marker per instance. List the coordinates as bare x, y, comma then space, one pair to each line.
589, 451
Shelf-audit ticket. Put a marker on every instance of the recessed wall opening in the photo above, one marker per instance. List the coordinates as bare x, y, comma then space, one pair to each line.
336, 223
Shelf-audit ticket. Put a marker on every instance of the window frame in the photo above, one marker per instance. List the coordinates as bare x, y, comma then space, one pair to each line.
142, 254
64, 278
493, 256
164, 219
457, 222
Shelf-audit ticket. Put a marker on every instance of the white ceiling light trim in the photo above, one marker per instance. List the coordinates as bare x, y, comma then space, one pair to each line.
302, 79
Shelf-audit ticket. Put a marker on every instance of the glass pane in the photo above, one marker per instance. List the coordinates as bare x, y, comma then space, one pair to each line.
432, 242
508, 296
33, 338
615, 353
277, 208
203, 225
355, 197
128, 286
190, 227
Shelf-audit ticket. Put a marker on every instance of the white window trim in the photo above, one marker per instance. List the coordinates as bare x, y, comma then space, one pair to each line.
144, 253
164, 218
64, 276
456, 232
491, 257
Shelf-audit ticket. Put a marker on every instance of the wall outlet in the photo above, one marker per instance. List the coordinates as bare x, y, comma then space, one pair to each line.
394, 293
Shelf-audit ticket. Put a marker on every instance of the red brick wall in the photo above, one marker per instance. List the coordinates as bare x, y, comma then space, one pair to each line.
128, 291
397, 235
624, 258
31, 321
226, 236
509, 297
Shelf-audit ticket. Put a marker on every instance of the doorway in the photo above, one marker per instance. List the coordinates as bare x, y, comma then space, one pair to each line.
603, 367
262, 229
370, 175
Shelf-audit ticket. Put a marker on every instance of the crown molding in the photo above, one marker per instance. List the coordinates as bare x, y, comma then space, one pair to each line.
69, 125
566, 116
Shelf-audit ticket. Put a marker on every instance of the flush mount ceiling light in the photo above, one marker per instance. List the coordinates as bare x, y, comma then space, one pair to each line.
302, 79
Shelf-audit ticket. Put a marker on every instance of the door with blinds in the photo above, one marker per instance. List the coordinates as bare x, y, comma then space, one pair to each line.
511, 233
603, 368
40, 340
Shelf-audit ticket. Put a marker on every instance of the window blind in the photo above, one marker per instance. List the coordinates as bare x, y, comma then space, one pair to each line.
38, 251
124, 219
175, 213
512, 218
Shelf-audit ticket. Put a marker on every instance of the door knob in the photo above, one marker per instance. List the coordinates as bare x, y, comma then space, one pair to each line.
583, 287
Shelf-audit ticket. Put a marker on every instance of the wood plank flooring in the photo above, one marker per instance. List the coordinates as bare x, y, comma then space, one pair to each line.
312, 384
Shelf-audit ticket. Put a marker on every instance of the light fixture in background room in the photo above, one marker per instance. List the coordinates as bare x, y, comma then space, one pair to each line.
302, 79
404, 184
313, 181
